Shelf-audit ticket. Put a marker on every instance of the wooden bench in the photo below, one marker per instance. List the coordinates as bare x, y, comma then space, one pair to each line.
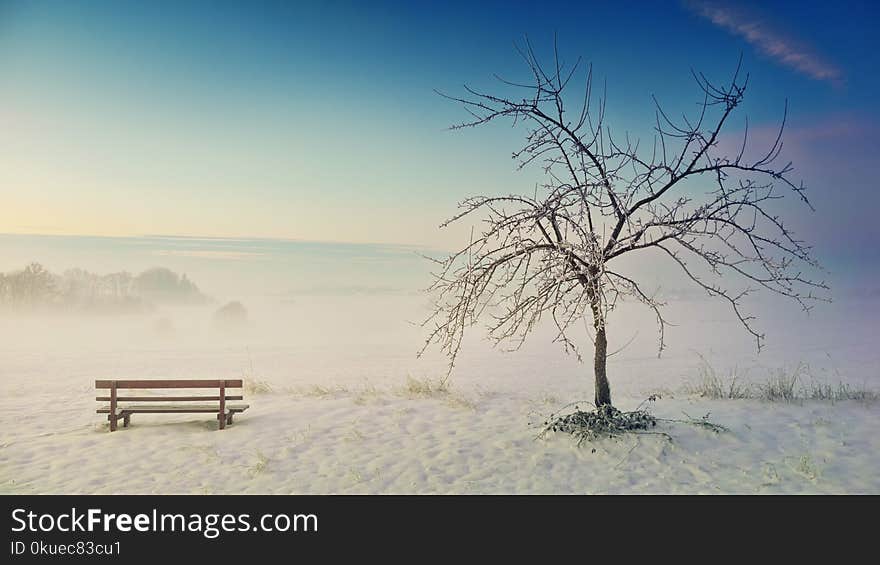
150, 404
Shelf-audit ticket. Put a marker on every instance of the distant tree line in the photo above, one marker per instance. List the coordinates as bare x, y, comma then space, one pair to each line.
35, 288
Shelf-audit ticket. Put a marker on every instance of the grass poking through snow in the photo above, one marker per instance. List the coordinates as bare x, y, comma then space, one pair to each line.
436, 389
781, 386
259, 465
254, 386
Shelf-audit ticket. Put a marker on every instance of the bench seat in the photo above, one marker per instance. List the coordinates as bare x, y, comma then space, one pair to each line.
172, 408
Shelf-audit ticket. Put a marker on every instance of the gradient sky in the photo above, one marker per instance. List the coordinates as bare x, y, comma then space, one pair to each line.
318, 120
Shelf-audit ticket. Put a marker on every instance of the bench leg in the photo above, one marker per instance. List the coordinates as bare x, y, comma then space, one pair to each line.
229, 419
126, 420
112, 418
221, 420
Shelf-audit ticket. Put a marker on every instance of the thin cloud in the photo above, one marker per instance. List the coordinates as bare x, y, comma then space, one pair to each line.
775, 45
207, 254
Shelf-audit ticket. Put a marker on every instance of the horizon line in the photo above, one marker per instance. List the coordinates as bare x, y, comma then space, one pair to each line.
221, 238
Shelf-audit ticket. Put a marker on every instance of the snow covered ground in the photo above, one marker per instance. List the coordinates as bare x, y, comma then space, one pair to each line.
341, 416
391, 442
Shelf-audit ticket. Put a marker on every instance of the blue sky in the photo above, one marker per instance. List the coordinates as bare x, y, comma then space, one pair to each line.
318, 120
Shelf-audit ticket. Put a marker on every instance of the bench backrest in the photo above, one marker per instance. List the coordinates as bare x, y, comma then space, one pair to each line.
115, 385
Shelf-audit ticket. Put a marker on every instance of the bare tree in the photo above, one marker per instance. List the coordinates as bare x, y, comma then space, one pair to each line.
556, 253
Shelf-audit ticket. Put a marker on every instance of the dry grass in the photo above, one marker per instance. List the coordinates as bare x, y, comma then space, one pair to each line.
842, 391
780, 386
413, 388
321, 391
254, 386
709, 384
460, 401
259, 465
805, 467
426, 387
436, 389
360, 396
367, 394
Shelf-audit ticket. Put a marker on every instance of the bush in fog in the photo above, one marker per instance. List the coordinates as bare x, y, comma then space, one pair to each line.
163, 286
114, 293
29, 288
231, 315
163, 327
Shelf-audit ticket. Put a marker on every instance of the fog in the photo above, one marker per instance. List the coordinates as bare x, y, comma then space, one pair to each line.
336, 314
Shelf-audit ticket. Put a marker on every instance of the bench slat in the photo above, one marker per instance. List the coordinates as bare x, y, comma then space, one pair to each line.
156, 383
166, 408
164, 398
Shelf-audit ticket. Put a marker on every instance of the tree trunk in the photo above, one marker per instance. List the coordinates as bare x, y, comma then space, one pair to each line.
603, 391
